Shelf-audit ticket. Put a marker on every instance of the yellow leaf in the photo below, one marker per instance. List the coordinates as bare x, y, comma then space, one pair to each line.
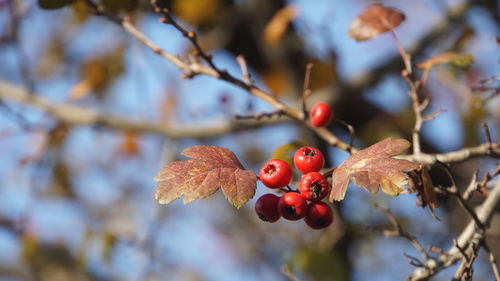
457, 59
196, 12
277, 26
286, 151
276, 79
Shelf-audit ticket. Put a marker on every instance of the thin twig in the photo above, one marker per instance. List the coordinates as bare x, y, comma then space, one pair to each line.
307, 88
488, 135
468, 236
453, 189
278, 113
244, 69
351, 131
404, 55
402, 233
193, 68
78, 115
288, 273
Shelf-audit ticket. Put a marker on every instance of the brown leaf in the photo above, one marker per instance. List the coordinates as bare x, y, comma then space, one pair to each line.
372, 168
420, 182
278, 25
210, 168
374, 20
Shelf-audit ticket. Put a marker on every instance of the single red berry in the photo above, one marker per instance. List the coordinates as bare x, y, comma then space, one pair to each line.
266, 207
321, 114
292, 206
314, 186
308, 159
319, 215
275, 173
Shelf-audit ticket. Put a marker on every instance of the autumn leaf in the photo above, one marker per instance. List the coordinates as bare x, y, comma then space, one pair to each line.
210, 168
420, 182
278, 25
373, 167
374, 20
197, 12
457, 59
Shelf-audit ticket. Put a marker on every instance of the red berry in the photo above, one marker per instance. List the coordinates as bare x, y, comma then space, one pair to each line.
275, 173
321, 114
319, 215
266, 207
314, 186
292, 206
308, 159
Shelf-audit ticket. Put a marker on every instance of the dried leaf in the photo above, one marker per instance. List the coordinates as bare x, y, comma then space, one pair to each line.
210, 168
374, 20
373, 167
197, 12
98, 73
277, 26
457, 59
420, 182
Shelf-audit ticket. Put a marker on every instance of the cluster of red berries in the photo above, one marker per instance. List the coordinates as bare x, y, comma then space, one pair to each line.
294, 205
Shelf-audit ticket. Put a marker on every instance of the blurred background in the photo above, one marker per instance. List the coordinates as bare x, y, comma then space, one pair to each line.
77, 202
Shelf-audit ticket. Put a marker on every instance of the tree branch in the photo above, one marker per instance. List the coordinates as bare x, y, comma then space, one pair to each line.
192, 68
485, 149
471, 235
78, 115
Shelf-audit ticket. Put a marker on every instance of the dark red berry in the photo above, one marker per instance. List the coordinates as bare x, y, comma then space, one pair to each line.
292, 206
266, 207
314, 186
319, 215
308, 159
321, 114
275, 173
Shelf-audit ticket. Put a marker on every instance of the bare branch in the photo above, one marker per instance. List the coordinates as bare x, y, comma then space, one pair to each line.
399, 231
471, 235
78, 115
278, 113
454, 191
485, 149
492, 260
194, 68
